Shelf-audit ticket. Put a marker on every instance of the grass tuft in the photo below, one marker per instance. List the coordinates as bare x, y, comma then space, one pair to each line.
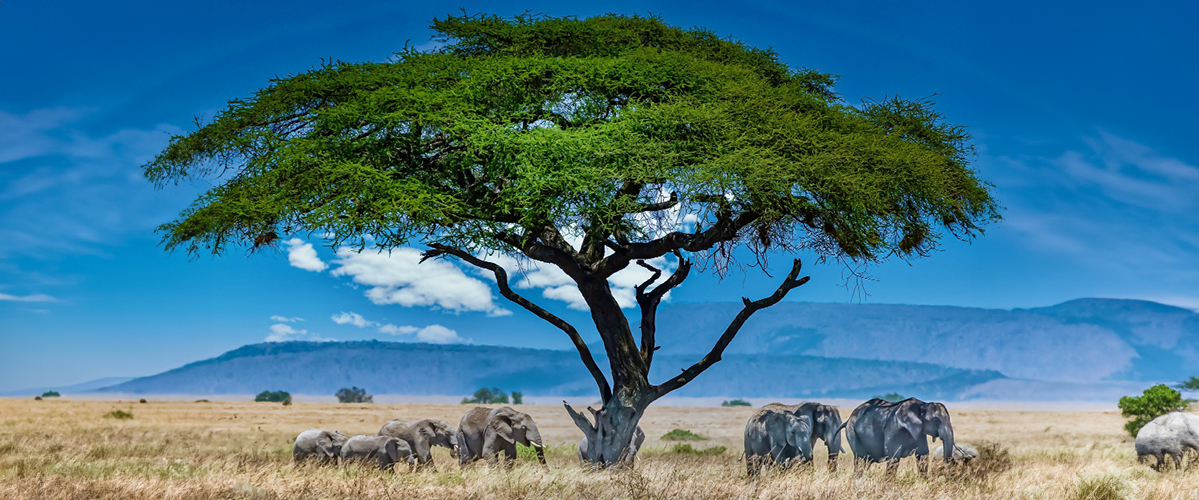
1101, 487
703, 452
119, 414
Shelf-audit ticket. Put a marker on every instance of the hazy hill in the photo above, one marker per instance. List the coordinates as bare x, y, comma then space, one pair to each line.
90, 385
1085, 340
428, 369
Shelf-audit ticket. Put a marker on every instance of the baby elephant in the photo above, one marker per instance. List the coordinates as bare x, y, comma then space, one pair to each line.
1168, 436
321, 445
385, 450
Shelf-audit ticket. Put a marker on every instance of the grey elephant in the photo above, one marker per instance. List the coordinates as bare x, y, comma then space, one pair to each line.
386, 451
768, 435
591, 433
485, 432
1169, 436
422, 435
321, 445
879, 431
826, 426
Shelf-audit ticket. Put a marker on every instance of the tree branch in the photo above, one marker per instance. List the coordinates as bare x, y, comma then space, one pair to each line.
501, 278
750, 308
648, 303
726, 228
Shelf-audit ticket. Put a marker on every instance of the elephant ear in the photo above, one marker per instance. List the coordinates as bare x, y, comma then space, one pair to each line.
909, 420
393, 450
325, 443
496, 427
581, 421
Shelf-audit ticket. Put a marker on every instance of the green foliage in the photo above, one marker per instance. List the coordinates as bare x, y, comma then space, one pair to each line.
353, 395
50, 394
119, 414
682, 435
892, 397
688, 450
485, 396
1190, 384
519, 124
1101, 487
1154, 402
518, 398
272, 397
735, 402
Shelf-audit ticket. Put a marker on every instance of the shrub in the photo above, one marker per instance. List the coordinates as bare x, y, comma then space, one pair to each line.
485, 396
518, 398
1154, 402
272, 397
50, 394
119, 414
682, 435
353, 395
142, 400
37, 398
735, 402
893, 397
686, 449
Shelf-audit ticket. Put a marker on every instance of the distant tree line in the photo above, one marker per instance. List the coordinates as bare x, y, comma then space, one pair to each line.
493, 396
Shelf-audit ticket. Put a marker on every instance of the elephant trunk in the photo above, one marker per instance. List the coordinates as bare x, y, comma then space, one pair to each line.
537, 447
946, 435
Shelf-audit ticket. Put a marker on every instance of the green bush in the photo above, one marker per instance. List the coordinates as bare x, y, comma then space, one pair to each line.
119, 414
50, 394
272, 397
703, 452
485, 396
518, 398
682, 435
1154, 402
893, 397
735, 402
353, 395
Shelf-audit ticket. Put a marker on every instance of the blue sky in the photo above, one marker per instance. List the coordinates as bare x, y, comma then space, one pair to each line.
1084, 116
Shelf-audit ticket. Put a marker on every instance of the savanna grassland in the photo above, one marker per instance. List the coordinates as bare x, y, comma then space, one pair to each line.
68, 449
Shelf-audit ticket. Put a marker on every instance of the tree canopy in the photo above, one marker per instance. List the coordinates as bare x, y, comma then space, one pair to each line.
589, 145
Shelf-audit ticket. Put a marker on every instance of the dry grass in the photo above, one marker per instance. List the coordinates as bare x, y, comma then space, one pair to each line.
66, 449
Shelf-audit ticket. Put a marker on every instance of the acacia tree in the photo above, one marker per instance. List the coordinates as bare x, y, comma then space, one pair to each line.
630, 138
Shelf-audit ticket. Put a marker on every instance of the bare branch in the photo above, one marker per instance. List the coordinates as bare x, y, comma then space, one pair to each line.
791, 282
659, 206
726, 228
501, 279
648, 303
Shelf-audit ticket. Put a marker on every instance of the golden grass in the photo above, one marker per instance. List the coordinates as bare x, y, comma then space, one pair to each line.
66, 449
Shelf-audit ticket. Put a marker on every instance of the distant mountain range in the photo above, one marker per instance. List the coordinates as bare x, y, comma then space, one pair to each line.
1086, 349
90, 385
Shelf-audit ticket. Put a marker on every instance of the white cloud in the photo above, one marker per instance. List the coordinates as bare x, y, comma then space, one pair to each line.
353, 319
400, 278
301, 254
434, 334
556, 285
37, 297
285, 319
282, 332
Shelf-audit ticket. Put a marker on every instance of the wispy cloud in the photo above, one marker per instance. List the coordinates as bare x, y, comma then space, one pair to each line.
1119, 206
434, 334
285, 319
282, 332
36, 297
63, 190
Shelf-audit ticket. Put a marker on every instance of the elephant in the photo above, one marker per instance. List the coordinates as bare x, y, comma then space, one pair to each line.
962, 453
485, 432
386, 450
421, 435
591, 434
1168, 436
880, 431
826, 426
324, 446
770, 432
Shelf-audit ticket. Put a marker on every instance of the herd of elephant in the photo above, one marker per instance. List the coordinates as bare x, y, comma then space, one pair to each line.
777, 434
